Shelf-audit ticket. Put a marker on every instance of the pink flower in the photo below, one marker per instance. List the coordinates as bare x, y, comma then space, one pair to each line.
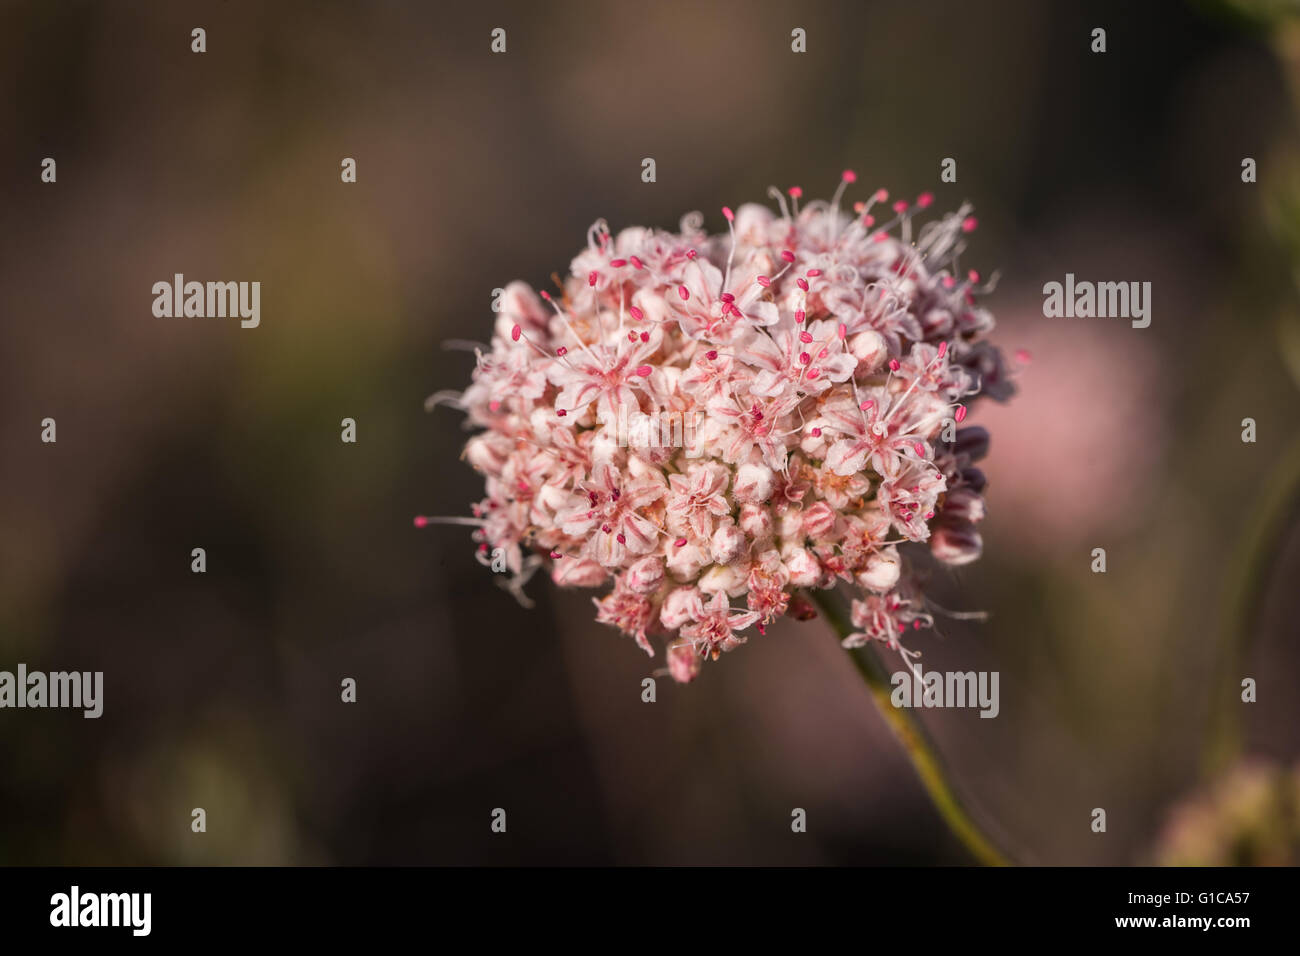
714, 630
810, 362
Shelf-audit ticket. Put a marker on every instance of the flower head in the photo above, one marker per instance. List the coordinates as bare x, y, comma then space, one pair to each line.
822, 363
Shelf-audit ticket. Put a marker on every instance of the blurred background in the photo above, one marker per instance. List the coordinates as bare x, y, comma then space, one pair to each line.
1118, 691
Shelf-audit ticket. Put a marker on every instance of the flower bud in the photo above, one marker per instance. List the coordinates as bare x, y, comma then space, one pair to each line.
683, 663
804, 569
721, 577
972, 442
578, 573
645, 576
869, 349
964, 503
727, 543
756, 522
957, 543
882, 571
681, 607
686, 562
754, 483
818, 521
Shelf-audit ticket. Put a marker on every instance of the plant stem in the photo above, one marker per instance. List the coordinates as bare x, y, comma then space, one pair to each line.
1277, 506
916, 743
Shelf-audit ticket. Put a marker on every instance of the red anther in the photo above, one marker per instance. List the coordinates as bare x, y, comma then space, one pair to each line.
814, 273
516, 332
421, 521
816, 433
562, 351
679, 542
787, 255
636, 263
900, 207
618, 263
644, 370
868, 220
795, 191
842, 331
804, 358
645, 336
801, 283
591, 278
561, 412
849, 176
764, 281
924, 199
960, 414
711, 354
684, 292
691, 253
920, 449
728, 214
969, 224
727, 297
893, 365
973, 275
805, 336
882, 195
635, 313
799, 315
943, 349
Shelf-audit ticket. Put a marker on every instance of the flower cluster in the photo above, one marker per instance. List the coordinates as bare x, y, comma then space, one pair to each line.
809, 371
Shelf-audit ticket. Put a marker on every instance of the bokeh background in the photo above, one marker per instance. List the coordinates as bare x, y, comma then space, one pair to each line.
222, 690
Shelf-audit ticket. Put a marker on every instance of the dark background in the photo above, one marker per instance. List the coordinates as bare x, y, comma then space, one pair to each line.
222, 689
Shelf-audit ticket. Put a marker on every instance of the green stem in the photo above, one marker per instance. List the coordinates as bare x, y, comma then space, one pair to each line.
1266, 529
917, 744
